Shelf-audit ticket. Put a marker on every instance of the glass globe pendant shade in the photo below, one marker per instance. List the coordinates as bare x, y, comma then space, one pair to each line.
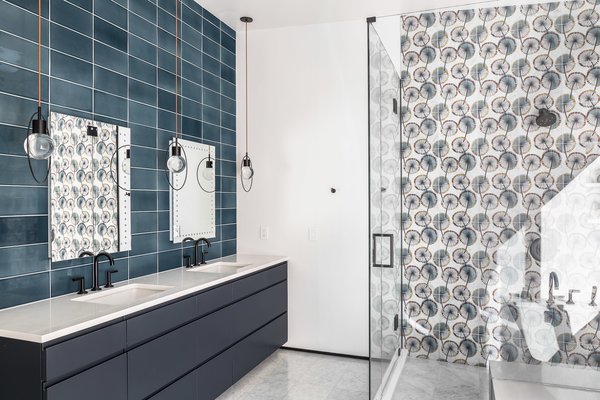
38, 144
247, 170
176, 163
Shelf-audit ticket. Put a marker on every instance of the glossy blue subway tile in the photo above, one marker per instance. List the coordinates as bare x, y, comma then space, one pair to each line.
16, 231
166, 120
70, 95
166, 80
142, 49
228, 121
228, 184
143, 243
166, 100
228, 58
228, 137
72, 69
142, 114
143, 200
21, 82
191, 54
143, 157
214, 251
143, 179
192, 18
229, 232
229, 247
85, 4
228, 200
211, 48
22, 53
211, 17
227, 29
167, 5
70, 42
12, 139
23, 200
24, 259
112, 12
72, 17
142, 28
166, 41
191, 127
228, 89
163, 197
109, 81
142, 92
143, 222
191, 72
17, 20
15, 170
191, 90
110, 106
211, 64
192, 108
110, 34
31, 5
142, 71
227, 73
211, 31
170, 260
142, 265
165, 243
228, 105
228, 168
191, 36
24, 289
62, 279
228, 153
211, 132
164, 219
228, 42
144, 8
211, 81
166, 22
111, 58
143, 135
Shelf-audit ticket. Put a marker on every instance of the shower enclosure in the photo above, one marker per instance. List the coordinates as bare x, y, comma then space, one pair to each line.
484, 182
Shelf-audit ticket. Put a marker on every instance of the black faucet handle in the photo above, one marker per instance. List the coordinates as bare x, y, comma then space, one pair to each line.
81, 281
188, 262
109, 277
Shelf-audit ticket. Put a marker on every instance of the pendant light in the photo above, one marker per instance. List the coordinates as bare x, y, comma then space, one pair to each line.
247, 171
207, 175
176, 162
38, 145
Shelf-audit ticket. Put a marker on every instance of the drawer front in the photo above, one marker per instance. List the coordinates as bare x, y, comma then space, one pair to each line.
213, 334
105, 381
84, 351
161, 320
251, 351
214, 377
156, 363
183, 389
255, 283
258, 309
213, 299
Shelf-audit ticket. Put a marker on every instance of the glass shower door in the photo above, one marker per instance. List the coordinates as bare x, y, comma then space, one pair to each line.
385, 211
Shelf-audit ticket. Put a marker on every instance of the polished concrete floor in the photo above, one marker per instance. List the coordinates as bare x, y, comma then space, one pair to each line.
293, 375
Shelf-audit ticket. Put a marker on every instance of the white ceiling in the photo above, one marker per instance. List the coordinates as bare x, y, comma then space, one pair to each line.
270, 14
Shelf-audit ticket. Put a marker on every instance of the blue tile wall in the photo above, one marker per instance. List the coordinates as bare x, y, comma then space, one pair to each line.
113, 61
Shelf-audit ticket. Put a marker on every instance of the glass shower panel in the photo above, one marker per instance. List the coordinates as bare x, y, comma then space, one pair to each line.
385, 206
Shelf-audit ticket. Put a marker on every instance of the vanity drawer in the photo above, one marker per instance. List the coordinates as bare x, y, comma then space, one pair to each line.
154, 323
105, 381
259, 309
84, 351
251, 351
213, 299
255, 283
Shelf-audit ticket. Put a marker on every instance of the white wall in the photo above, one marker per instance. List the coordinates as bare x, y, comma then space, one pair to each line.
308, 133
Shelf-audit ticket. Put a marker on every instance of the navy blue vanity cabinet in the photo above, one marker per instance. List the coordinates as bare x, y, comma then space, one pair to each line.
194, 347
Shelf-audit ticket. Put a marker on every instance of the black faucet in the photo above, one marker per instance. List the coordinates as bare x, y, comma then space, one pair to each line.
189, 239
198, 243
553, 284
95, 273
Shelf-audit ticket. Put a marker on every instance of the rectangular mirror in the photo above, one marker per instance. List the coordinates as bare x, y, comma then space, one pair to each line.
193, 193
90, 197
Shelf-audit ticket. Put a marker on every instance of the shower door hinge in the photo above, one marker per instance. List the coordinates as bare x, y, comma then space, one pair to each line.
395, 106
396, 322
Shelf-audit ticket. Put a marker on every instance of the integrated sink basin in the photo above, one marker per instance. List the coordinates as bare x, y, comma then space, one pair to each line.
123, 294
219, 268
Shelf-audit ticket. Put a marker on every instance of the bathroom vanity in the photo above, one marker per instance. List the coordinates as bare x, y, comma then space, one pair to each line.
179, 334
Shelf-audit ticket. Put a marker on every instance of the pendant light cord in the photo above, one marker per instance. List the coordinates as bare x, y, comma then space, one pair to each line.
39, 54
176, 72
246, 55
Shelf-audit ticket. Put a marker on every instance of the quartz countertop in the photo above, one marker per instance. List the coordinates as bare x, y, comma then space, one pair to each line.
50, 319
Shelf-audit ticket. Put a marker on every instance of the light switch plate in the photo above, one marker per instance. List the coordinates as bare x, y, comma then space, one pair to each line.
264, 233
312, 234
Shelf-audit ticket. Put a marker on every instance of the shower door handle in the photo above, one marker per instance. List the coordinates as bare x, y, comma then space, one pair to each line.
378, 239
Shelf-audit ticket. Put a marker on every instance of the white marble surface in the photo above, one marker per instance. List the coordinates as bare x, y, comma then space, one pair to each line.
50, 319
511, 390
294, 375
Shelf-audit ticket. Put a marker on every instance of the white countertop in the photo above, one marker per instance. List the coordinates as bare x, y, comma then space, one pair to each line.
50, 319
